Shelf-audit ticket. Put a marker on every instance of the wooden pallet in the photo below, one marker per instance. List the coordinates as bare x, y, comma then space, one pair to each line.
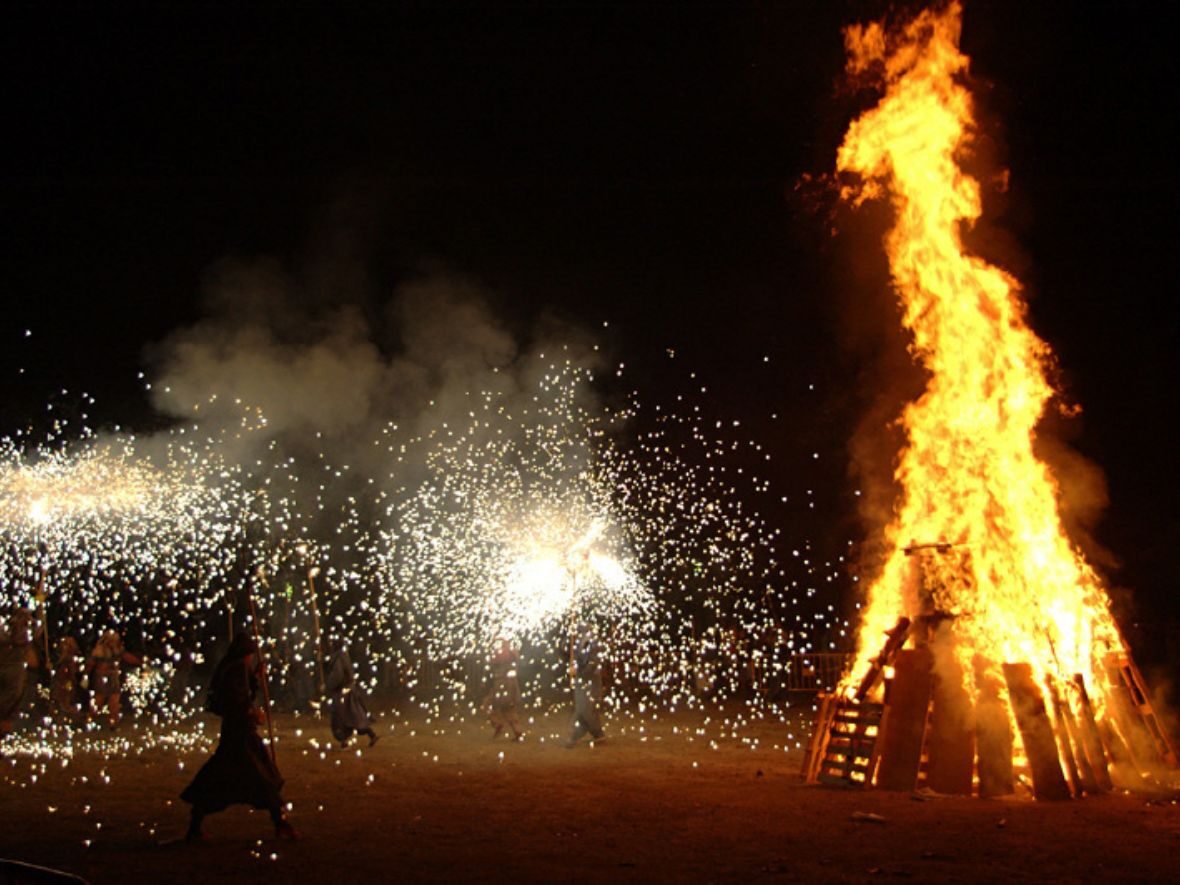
814, 754
850, 755
1136, 714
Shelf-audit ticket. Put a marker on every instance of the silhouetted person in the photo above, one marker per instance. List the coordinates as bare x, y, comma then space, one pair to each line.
586, 672
64, 689
17, 655
105, 674
347, 702
240, 771
504, 697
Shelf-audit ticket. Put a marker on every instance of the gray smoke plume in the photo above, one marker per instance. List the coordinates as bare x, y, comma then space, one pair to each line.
337, 370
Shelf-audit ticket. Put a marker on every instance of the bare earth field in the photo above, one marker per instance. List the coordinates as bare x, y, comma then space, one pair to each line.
650, 806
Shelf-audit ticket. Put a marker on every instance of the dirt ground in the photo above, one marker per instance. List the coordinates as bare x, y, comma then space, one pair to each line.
657, 802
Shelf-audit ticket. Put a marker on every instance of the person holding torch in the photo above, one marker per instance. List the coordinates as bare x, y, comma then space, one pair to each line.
240, 771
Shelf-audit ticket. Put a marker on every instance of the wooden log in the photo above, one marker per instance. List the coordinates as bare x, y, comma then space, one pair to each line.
1091, 739
1123, 770
1073, 729
1040, 744
1065, 746
993, 737
1090, 783
950, 746
904, 729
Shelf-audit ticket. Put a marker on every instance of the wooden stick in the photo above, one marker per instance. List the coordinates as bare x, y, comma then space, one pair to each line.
270, 725
894, 641
315, 623
1073, 772
41, 599
1091, 736
1040, 742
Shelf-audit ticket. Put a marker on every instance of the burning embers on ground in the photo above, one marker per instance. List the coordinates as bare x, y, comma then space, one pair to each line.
988, 654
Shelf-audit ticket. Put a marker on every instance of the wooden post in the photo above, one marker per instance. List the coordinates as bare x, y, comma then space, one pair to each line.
315, 624
42, 609
894, 640
1039, 743
1091, 739
1078, 783
270, 726
907, 701
573, 669
993, 736
950, 747
1123, 769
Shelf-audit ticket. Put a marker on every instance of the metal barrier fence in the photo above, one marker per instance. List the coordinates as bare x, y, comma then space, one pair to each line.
815, 672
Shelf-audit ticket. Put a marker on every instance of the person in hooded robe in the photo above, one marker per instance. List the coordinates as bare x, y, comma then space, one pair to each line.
503, 699
241, 771
349, 711
64, 689
17, 656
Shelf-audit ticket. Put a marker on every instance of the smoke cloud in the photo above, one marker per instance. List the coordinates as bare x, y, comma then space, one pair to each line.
327, 376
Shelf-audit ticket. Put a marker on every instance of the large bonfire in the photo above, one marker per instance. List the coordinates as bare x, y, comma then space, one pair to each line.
991, 615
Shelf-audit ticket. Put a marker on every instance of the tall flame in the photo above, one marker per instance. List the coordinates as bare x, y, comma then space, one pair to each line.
997, 562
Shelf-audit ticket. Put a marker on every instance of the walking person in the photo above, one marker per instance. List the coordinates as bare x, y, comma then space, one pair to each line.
350, 713
586, 672
504, 697
64, 687
241, 770
105, 674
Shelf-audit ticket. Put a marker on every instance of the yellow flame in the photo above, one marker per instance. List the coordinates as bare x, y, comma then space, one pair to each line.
975, 497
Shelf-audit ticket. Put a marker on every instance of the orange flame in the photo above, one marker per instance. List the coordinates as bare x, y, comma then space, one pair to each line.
996, 560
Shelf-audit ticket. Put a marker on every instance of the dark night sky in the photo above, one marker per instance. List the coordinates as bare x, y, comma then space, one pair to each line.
631, 162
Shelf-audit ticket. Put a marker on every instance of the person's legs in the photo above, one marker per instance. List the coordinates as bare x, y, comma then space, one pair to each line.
283, 828
579, 731
588, 713
195, 832
581, 725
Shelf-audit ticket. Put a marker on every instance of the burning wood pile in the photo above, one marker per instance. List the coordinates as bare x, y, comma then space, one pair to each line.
910, 723
1001, 661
